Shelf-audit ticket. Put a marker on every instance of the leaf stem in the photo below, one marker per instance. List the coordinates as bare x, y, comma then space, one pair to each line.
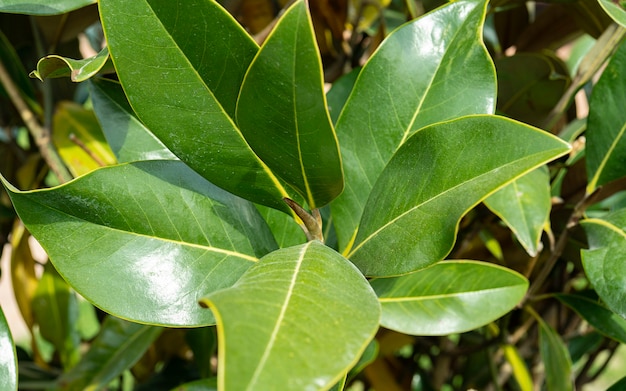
312, 222
40, 134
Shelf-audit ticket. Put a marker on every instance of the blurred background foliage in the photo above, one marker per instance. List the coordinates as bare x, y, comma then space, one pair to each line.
546, 54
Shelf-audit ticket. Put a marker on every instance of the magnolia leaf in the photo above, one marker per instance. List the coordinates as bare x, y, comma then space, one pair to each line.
129, 139
606, 126
524, 205
55, 308
282, 113
616, 10
145, 241
433, 69
442, 171
472, 294
8, 358
42, 7
556, 359
78, 137
306, 295
285, 229
185, 96
605, 262
118, 346
598, 316
54, 66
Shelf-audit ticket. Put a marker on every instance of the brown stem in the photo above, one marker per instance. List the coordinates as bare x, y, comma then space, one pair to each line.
312, 222
85, 148
40, 134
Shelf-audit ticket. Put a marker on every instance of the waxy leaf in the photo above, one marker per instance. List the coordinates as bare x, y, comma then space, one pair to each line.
42, 7
556, 359
118, 346
617, 12
129, 139
437, 175
430, 70
524, 205
77, 70
598, 316
307, 295
606, 127
449, 297
185, 96
8, 359
282, 110
145, 241
605, 261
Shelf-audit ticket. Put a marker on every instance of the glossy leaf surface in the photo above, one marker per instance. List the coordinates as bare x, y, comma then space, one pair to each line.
606, 127
605, 261
118, 346
442, 171
286, 121
556, 359
77, 70
307, 295
129, 139
449, 297
430, 70
598, 316
187, 98
8, 359
42, 7
285, 229
146, 240
524, 205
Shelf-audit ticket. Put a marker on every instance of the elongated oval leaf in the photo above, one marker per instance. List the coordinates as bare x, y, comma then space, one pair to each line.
146, 240
598, 316
118, 346
129, 139
185, 96
617, 12
449, 297
430, 70
282, 110
77, 70
42, 7
605, 261
442, 171
304, 296
524, 205
556, 360
8, 359
606, 127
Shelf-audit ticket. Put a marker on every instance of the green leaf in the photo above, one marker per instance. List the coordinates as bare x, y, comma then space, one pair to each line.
449, 297
198, 385
282, 110
556, 360
55, 308
524, 205
430, 70
54, 66
606, 127
340, 92
185, 97
42, 7
530, 85
118, 346
605, 262
146, 240
304, 296
615, 11
8, 359
129, 139
518, 367
602, 319
203, 343
285, 229
618, 385
411, 217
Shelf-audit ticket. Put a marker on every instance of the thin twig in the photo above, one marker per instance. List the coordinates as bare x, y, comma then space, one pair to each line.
73, 138
40, 134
